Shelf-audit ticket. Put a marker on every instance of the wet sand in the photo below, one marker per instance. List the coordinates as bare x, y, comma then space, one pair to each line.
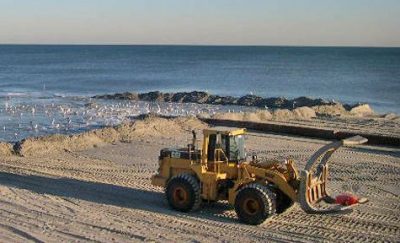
96, 187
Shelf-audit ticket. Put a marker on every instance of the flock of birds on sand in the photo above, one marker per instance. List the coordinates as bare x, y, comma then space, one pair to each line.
21, 119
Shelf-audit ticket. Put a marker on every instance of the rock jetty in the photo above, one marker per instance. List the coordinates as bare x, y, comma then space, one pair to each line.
201, 97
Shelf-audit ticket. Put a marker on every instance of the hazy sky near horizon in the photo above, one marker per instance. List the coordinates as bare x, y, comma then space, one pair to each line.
231, 22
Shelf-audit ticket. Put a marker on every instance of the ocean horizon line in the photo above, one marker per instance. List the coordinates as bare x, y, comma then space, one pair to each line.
195, 45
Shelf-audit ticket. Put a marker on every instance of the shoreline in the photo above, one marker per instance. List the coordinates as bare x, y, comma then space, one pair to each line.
306, 119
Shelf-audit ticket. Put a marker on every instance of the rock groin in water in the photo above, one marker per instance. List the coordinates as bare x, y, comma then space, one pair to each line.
201, 97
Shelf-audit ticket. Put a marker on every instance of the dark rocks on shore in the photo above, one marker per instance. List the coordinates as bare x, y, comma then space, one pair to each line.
118, 96
201, 97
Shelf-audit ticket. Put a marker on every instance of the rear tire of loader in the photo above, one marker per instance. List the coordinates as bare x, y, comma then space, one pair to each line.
254, 203
183, 193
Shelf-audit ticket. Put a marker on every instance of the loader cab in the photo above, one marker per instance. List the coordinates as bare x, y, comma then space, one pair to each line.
230, 141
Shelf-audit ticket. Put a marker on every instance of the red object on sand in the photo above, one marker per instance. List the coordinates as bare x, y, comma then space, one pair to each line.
346, 199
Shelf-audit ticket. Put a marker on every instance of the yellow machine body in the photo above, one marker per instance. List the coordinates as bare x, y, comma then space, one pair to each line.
221, 170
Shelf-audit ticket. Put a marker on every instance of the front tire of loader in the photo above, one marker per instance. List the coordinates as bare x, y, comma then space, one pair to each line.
254, 203
283, 202
183, 193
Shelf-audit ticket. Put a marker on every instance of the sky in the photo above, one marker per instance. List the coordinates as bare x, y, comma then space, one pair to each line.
202, 22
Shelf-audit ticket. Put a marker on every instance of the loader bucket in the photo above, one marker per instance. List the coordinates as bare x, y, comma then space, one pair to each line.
313, 185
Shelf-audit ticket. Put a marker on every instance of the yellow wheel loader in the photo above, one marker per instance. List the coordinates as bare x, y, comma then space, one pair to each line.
257, 190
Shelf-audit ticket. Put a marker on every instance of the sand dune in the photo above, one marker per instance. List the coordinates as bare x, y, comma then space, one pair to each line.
5, 149
149, 127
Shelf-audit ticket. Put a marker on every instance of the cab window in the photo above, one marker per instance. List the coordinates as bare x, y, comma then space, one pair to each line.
233, 147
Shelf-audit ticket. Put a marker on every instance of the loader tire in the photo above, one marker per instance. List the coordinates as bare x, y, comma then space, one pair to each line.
254, 203
183, 193
283, 202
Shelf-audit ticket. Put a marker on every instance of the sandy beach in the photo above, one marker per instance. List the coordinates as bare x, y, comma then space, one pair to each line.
96, 187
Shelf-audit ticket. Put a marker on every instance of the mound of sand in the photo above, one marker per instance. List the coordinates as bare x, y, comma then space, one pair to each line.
302, 113
56, 143
330, 110
156, 126
258, 116
391, 116
6, 149
282, 115
362, 110
229, 116
148, 127
264, 115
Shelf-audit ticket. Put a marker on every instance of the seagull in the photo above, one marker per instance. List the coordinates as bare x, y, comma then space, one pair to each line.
34, 126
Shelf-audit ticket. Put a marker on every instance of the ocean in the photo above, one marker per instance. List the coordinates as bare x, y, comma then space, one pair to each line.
44, 88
